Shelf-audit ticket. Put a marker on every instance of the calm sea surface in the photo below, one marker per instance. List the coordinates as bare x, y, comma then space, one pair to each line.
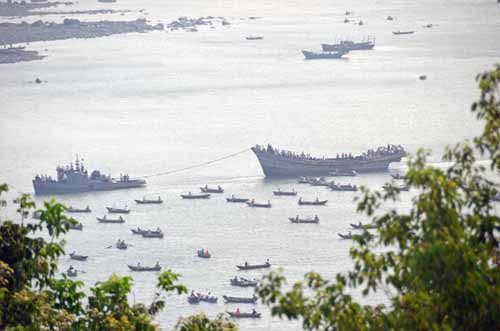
150, 103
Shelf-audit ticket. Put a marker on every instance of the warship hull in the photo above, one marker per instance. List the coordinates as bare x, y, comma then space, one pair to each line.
51, 188
276, 165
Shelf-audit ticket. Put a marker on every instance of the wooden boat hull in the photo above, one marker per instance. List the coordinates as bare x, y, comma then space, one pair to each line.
78, 257
117, 210
277, 165
143, 269
255, 266
258, 205
313, 203
72, 210
229, 299
280, 193
303, 221
237, 200
102, 220
244, 315
149, 202
195, 196
245, 283
211, 190
343, 189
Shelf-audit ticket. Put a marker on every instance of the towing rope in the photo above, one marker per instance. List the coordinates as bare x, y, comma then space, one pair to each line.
196, 165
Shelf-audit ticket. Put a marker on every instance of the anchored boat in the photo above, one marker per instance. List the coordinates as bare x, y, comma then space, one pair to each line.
77, 257
237, 200
279, 192
138, 267
243, 282
76, 179
113, 210
238, 314
298, 220
247, 266
149, 201
259, 205
195, 196
104, 219
324, 55
207, 189
78, 210
229, 299
282, 163
316, 202
349, 45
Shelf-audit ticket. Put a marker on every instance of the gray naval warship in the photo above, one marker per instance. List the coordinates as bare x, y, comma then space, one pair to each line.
76, 179
282, 163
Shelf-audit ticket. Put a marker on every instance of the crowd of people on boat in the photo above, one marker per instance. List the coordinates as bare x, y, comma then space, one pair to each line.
370, 154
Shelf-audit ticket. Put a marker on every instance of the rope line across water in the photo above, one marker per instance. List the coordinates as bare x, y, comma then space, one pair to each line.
196, 165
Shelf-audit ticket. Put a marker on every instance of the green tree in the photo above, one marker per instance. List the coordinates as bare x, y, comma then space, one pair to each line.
201, 322
436, 261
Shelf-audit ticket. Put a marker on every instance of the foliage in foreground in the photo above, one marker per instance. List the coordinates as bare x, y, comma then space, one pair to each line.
33, 299
436, 262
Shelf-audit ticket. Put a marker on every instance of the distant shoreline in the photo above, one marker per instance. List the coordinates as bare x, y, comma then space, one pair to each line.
20, 33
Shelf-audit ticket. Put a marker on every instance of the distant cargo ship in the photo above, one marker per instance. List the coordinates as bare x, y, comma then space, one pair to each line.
349, 45
280, 163
76, 179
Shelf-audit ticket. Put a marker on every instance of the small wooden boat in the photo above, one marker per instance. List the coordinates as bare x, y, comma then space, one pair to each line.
259, 205
79, 210
316, 202
237, 200
37, 214
345, 236
422, 77
195, 196
78, 226
138, 231
243, 282
343, 188
152, 234
229, 299
298, 220
207, 189
237, 314
104, 219
145, 201
208, 298
77, 257
496, 197
254, 38
113, 210
120, 244
319, 182
284, 193
138, 267
402, 32
247, 266
343, 173
72, 272
361, 226
193, 299
204, 254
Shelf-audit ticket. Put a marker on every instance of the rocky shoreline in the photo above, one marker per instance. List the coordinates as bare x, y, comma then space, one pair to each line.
18, 54
26, 9
15, 33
